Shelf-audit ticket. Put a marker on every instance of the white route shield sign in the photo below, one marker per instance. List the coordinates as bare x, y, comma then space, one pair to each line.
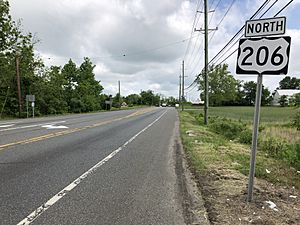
266, 55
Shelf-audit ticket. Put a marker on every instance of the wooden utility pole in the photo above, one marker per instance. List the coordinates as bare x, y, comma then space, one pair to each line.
119, 83
182, 97
179, 97
205, 64
206, 59
18, 83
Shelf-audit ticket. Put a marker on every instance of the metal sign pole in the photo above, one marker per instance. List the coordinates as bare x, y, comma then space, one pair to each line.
254, 137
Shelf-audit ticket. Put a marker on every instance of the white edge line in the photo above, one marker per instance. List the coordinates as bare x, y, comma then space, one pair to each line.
41, 209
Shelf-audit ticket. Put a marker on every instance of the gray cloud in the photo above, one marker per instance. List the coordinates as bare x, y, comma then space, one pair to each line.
127, 39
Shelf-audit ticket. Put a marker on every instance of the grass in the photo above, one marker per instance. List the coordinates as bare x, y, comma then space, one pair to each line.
209, 152
268, 114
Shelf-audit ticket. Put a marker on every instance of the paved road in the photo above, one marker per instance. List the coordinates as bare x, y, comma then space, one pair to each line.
101, 168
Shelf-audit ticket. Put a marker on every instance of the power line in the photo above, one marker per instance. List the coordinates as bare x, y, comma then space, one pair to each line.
230, 6
135, 53
192, 30
213, 12
242, 36
240, 30
234, 37
260, 17
193, 27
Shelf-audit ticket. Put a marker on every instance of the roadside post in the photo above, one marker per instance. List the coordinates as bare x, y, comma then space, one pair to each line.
30, 98
262, 56
32, 105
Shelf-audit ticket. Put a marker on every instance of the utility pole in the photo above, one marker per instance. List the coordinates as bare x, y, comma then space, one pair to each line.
179, 97
4, 101
206, 59
182, 97
119, 83
205, 64
18, 82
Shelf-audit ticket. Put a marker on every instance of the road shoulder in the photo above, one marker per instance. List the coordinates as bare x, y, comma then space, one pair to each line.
194, 211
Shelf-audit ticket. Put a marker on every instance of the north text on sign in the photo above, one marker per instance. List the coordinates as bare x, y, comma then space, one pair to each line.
265, 27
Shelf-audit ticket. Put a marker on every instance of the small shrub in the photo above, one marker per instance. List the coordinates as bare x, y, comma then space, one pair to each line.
273, 146
200, 119
294, 155
296, 121
245, 137
228, 128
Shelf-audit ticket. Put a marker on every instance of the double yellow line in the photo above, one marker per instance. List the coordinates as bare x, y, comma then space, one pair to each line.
65, 132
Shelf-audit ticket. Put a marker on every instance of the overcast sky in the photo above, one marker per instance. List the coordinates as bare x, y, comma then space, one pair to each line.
142, 42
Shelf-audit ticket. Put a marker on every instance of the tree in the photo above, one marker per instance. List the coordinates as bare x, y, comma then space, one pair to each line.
88, 89
295, 100
133, 99
289, 83
250, 93
14, 43
149, 98
283, 101
222, 85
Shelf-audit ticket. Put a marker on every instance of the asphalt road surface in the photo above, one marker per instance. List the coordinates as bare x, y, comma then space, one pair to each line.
100, 168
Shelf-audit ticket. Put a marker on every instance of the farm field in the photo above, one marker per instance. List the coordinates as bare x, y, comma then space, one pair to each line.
268, 113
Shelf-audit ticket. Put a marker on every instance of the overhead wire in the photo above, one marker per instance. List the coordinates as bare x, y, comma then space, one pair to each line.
213, 12
133, 53
192, 30
187, 59
240, 30
230, 6
232, 39
260, 17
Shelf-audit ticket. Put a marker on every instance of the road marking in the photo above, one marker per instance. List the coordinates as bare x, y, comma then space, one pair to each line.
69, 131
40, 210
6, 125
54, 126
35, 125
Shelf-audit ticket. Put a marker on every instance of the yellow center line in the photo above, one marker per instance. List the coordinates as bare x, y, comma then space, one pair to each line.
57, 134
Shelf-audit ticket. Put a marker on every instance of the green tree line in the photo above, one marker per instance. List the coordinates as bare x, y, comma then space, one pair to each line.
58, 89
224, 89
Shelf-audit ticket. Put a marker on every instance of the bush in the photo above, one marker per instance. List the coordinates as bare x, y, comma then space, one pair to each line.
245, 137
226, 127
296, 121
294, 155
200, 119
282, 150
273, 146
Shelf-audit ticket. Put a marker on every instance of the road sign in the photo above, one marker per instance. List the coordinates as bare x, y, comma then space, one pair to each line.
265, 27
266, 55
30, 98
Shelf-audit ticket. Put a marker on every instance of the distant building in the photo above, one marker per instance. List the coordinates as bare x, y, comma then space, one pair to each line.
124, 104
288, 92
197, 102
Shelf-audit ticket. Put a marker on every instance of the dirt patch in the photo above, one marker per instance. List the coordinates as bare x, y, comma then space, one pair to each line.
225, 193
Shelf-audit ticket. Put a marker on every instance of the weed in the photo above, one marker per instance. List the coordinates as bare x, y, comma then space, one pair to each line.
226, 127
296, 121
245, 136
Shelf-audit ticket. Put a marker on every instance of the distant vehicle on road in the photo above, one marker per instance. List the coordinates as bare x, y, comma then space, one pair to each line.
164, 105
